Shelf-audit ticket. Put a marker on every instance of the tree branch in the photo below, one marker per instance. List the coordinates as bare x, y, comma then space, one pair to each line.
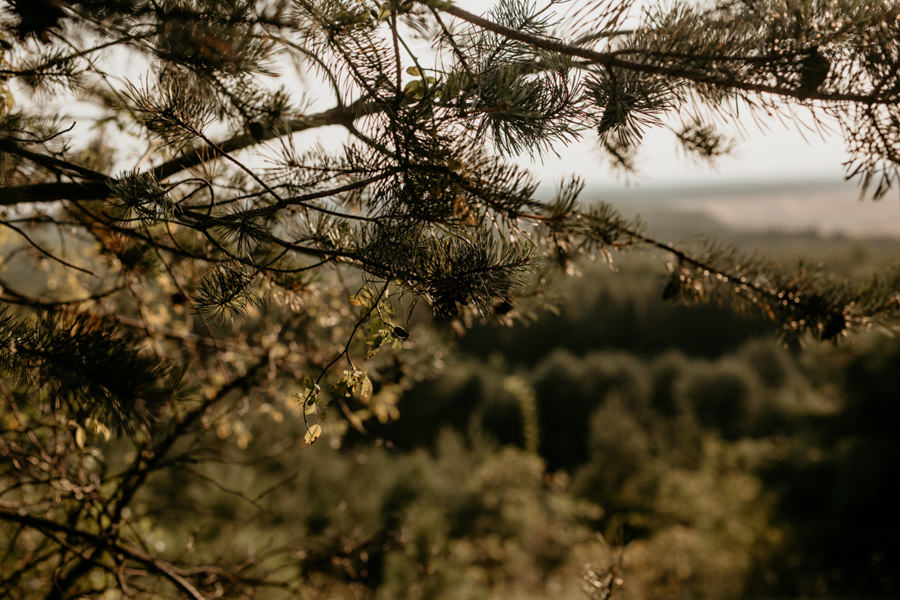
612, 59
156, 565
98, 189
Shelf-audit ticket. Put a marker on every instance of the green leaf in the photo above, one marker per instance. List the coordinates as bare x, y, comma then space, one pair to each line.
414, 87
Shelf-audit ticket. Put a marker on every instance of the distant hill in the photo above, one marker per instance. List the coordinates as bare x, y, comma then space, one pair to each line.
826, 208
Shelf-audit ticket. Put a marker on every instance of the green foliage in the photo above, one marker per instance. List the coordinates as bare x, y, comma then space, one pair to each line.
179, 267
465, 521
707, 468
226, 291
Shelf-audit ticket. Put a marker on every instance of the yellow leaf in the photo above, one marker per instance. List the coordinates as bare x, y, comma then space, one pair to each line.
97, 427
363, 389
413, 71
6, 100
310, 408
312, 434
80, 436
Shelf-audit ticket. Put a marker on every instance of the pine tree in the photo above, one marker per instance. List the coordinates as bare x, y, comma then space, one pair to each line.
174, 251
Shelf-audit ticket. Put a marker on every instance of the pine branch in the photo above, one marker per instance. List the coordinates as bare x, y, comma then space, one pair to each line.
98, 190
50, 163
612, 59
12, 296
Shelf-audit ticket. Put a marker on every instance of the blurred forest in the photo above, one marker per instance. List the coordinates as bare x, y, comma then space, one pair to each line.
626, 444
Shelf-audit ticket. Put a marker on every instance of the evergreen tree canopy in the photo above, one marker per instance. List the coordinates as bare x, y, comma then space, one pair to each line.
174, 252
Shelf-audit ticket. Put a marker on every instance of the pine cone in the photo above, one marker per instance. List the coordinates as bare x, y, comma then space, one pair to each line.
813, 72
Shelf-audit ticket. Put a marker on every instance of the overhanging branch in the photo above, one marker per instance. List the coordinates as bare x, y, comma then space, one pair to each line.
612, 59
99, 189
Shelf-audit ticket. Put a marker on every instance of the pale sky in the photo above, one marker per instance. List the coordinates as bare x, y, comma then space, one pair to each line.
777, 153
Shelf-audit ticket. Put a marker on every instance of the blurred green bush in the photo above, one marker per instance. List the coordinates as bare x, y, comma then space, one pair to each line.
684, 446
